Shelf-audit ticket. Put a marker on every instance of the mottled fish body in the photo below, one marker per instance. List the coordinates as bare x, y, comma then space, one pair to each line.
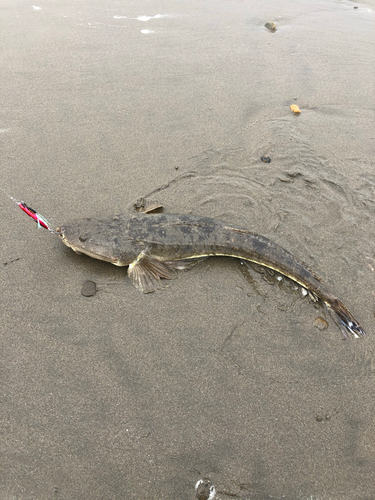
154, 246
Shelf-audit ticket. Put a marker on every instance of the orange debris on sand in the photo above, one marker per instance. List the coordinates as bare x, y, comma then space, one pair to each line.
295, 108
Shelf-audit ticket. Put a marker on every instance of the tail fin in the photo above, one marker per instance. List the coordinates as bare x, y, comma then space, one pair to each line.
344, 319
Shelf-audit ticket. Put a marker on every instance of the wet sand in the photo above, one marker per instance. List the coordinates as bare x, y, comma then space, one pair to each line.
219, 376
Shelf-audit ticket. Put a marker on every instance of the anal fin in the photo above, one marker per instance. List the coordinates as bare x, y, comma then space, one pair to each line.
183, 264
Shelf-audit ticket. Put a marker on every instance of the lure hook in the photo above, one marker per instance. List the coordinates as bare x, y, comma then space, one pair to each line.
39, 219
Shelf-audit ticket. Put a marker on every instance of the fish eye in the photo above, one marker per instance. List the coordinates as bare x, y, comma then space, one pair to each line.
82, 237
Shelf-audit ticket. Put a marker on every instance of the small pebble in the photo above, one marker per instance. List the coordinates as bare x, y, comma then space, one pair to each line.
204, 489
265, 159
139, 204
88, 289
270, 26
295, 108
321, 324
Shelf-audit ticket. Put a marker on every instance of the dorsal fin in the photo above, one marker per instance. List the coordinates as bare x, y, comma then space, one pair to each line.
146, 206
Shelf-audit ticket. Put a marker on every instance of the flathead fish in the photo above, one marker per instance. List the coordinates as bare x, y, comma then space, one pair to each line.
155, 246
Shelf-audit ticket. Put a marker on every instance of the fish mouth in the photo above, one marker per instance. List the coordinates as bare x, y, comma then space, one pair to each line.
60, 232
79, 251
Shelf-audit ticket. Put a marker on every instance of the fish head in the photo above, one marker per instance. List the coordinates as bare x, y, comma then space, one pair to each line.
103, 239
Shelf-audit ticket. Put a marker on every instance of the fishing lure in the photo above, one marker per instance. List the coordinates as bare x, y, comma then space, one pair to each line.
41, 221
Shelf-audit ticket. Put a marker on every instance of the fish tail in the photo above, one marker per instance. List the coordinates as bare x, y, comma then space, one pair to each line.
345, 319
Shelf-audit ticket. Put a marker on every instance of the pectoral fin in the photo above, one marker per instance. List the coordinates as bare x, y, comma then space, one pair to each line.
147, 272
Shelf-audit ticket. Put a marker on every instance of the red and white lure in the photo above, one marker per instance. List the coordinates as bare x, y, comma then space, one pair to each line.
41, 221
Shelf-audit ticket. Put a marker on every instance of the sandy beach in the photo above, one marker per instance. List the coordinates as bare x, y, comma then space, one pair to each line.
221, 377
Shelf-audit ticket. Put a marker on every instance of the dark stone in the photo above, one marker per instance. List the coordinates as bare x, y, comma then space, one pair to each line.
88, 289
